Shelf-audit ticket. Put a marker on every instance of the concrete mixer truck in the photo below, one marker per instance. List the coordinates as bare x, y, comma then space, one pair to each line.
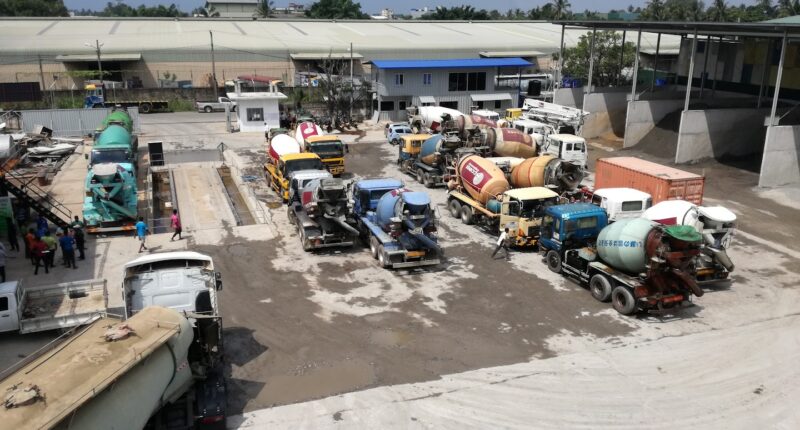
329, 148
480, 194
431, 118
322, 215
430, 158
399, 224
715, 223
284, 158
638, 264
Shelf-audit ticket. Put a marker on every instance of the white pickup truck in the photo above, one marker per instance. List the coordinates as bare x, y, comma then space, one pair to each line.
51, 307
217, 106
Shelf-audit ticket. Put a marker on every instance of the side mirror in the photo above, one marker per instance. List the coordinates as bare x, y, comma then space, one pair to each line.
218, 279
85, 156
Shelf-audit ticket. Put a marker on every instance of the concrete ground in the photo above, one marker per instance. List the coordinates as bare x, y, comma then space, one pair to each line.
329, 339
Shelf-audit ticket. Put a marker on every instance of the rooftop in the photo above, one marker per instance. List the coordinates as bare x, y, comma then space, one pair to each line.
457, 63
531, 193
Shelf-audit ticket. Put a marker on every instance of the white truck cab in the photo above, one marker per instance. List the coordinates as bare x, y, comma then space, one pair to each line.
567, 147
536, 129
622, 203
488, 114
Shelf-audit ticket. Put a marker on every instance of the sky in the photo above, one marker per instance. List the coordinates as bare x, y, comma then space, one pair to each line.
400, 6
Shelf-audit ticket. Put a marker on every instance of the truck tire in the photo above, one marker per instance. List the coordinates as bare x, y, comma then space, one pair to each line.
383, 258
306, 243
373, 246
466, 215
623, 301
553, 260
427, 181
420, 175
208, 109
395, 142
455, 208
600, 287
145, 108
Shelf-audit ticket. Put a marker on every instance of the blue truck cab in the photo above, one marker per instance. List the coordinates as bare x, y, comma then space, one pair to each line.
367, 192
571, 226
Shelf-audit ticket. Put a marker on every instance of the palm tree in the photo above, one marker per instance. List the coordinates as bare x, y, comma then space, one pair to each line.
264, 9
718, 11
654, 11
207, 11
560, 9
788, 8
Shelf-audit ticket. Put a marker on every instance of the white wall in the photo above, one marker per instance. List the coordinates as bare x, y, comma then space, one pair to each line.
572, 97
607, 110
781, 162
715, 133
643, 115
271, 114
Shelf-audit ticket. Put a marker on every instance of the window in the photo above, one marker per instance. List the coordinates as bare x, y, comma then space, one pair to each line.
398, 79
479, 105
387, 106
449, 105
631, 206
588, 222
402, 105
427, 104
497, 104
427, 78
3, 304
255, 114
473, 81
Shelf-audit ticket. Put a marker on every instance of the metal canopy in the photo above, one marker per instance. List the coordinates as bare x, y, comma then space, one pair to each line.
427, 99
103, 57
502, 54
325, 56
751, 29
490, 97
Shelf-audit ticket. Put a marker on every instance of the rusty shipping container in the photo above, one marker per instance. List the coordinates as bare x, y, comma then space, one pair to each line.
661, 182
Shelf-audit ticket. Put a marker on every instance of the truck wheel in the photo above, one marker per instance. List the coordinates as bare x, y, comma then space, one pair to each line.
623, 300
207, 109
600, 288
395, 142
373, 246
455, 208
466, 215
427, 180
145, 107
306, 243
383, 258
553, 261
420, 175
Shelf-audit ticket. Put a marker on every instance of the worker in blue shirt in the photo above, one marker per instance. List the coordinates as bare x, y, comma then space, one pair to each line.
141, 233
67, 242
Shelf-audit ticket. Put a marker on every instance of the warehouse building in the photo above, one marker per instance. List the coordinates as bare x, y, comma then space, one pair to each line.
176, 52
461, 84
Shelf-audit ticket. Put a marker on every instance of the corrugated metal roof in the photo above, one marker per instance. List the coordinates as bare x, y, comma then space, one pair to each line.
458, 63
524, 53
103, 57
325, 55
490, 97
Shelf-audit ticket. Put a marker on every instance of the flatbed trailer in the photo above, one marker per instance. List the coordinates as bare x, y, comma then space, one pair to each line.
389, 251
319, 234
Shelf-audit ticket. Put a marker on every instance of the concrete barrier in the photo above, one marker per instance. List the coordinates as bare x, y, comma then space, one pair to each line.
607, 112
781, 162
643, 115
572, 97
716, 133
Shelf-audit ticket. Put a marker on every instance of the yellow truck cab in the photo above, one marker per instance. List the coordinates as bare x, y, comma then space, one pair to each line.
412, 145
330, 150
513, 113
278, 174
522, 210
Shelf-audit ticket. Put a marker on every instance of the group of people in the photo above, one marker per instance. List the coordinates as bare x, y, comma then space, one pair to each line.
41, 247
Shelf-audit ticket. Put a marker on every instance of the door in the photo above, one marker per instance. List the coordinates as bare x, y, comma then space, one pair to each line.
8, 313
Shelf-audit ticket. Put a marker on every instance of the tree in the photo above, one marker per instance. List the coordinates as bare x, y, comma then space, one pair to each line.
462, 13
606, 57
207, 10
561, 9
718, 11
336, 9
338, 91
654, 11
788, 8
264, 9
33, 8
120, 9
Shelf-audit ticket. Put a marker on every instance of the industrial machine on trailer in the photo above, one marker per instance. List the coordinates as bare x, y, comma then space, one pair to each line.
96, 98
322, 214
638, 264
162, 355
110, 202
399, 224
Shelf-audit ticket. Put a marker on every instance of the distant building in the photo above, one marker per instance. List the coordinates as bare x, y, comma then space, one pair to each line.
418, 13
234, 8
385, 14
461, 84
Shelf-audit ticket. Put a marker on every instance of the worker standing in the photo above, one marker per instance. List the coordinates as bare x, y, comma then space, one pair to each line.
39, 252
176, 224
502, 243
30, 239
13, 240
52, 247
67, 242
78, 227
141, 233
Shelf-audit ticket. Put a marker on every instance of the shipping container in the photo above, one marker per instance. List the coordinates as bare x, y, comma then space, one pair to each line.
661, 182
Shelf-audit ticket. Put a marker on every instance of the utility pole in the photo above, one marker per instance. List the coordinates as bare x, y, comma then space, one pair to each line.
213, 66
41, 72
99, 64
352, 86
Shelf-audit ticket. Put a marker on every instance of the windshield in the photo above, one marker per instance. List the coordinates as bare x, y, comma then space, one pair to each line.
109, 156
578, 146
306, 164
328, 149
535, 208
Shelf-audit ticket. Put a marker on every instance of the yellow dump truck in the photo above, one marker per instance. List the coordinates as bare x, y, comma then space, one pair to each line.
277, 172
330, 150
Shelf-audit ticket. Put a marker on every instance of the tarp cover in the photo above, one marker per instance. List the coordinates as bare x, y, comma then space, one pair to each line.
684, 232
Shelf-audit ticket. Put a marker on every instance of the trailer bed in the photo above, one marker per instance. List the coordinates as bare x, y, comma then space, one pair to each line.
70, 373
62, 306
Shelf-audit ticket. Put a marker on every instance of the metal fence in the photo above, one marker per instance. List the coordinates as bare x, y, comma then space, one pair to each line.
71, 122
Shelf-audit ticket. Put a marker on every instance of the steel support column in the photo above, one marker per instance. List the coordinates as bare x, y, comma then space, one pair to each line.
591, 61
690, 77
560, 58
716, 63
636, 65
764, 74
655, 64
621, 58
778, 80
705, 65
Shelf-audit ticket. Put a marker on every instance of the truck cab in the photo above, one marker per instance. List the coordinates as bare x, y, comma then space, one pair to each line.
367, 192
410, 147
513, 114
94, 96
330, 150
278, 172
567, 147
622, 203
537, 130
571, 226
521, 210
299, 179
488, 114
